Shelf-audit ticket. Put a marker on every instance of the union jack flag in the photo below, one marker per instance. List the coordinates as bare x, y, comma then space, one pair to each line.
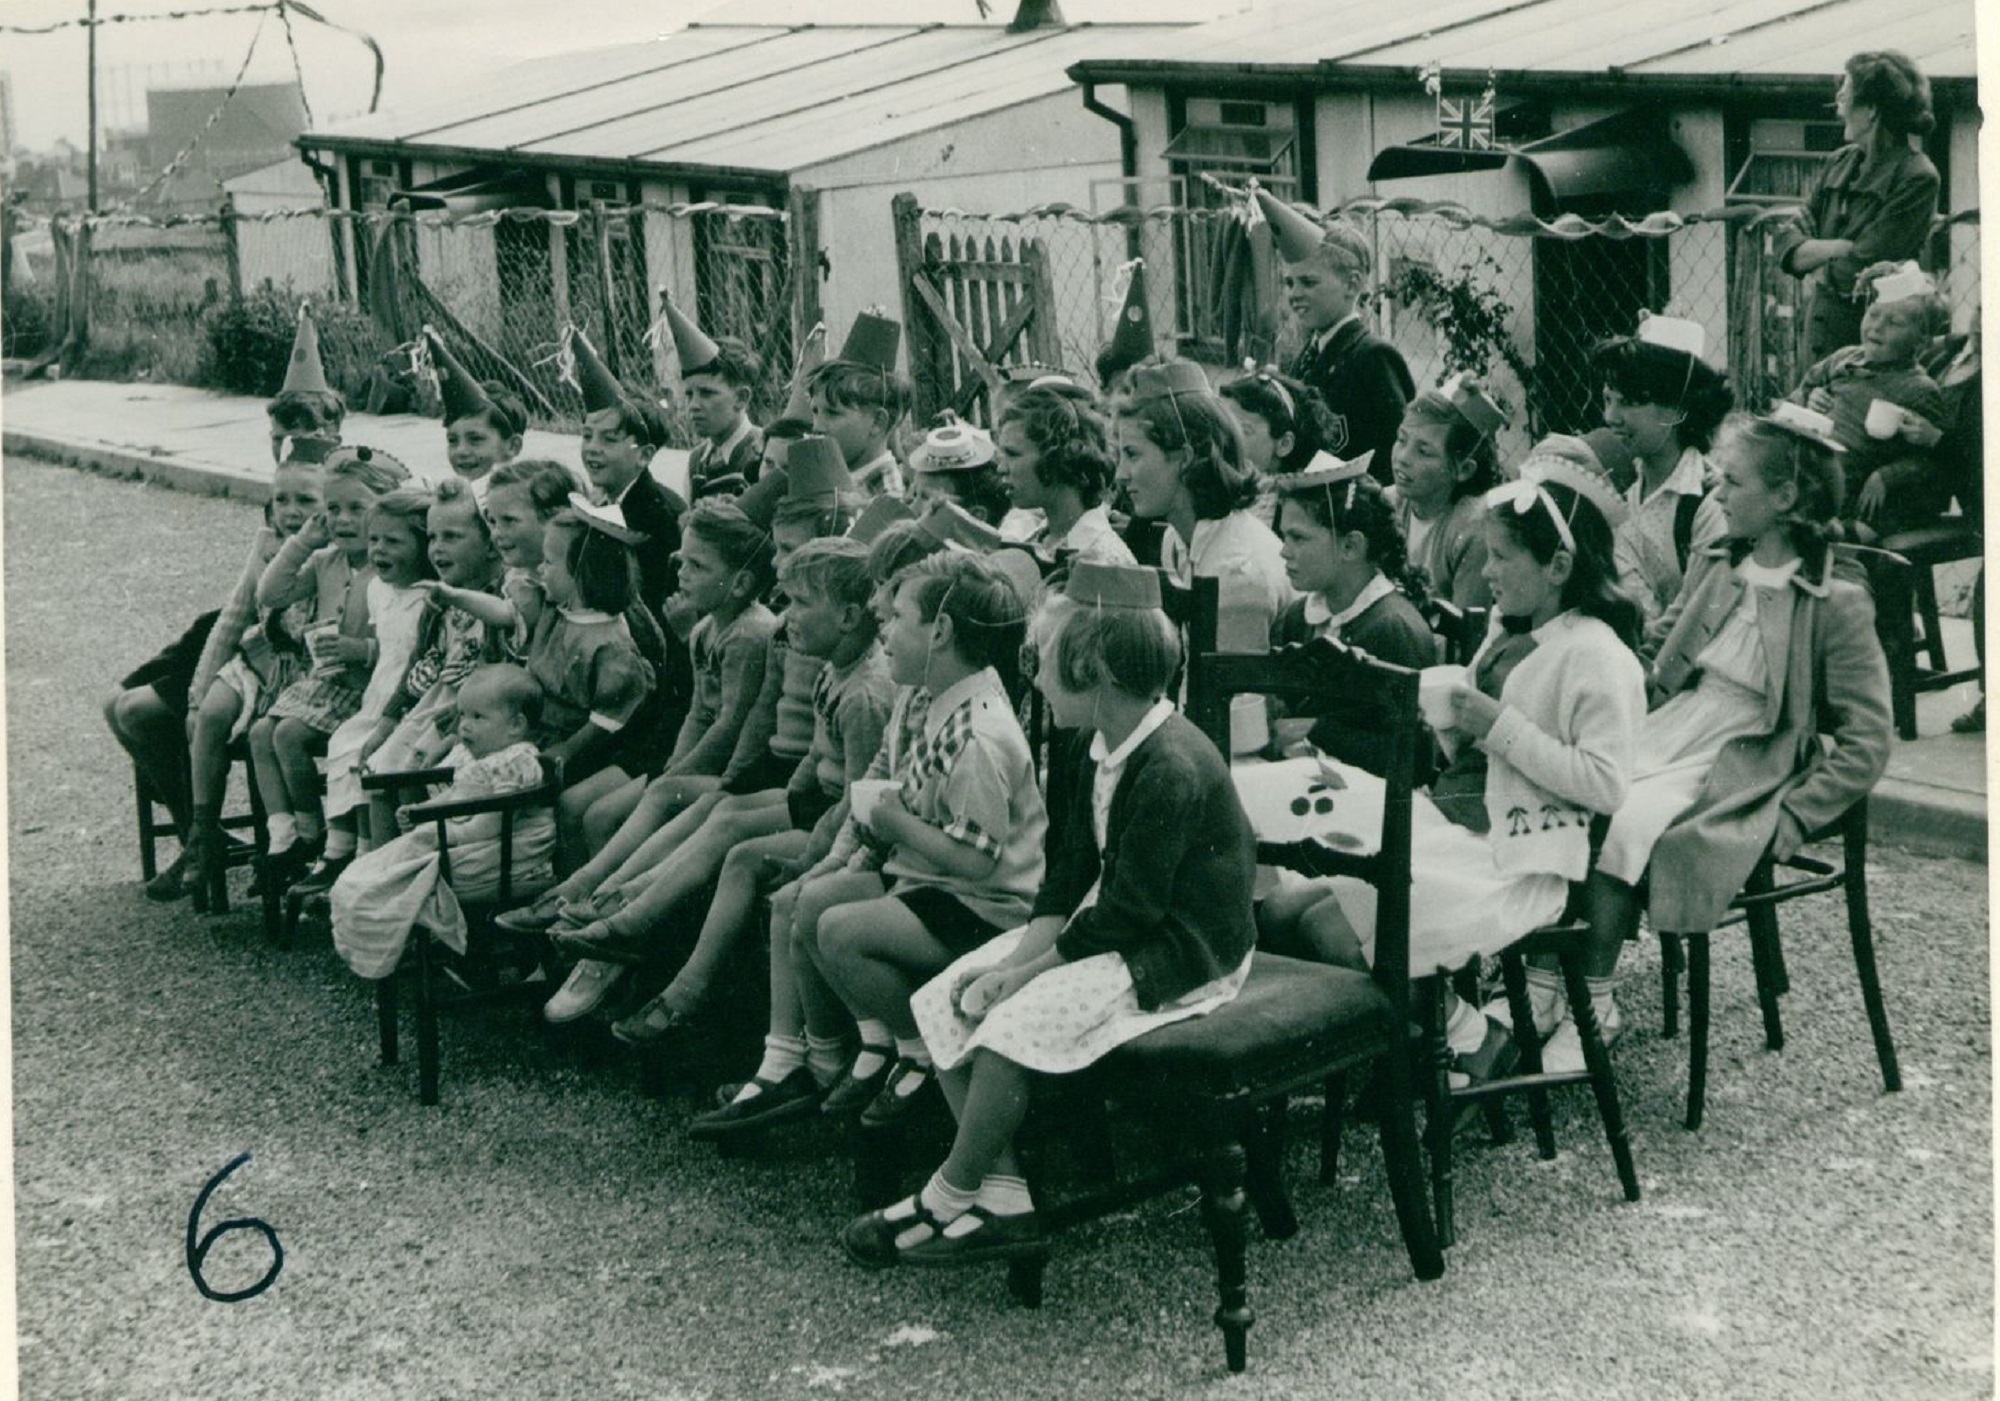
1466, 124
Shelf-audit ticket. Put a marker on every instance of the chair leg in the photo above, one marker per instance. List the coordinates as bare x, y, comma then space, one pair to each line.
1264, 1171
1932, 641
142, 802
1332, 1120
1403, 1157
1225, 1212
1861, 931
1514, 975
1603, 1081
1697, 947
1438, 1109
1767, 963
1673, 961
427, 1023
1893, 607
385, 1018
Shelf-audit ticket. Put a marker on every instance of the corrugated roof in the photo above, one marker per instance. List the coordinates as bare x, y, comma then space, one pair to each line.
749, 97
1667, 39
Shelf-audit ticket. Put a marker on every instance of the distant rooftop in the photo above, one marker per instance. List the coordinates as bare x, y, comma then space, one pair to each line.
1753, 42
767, 99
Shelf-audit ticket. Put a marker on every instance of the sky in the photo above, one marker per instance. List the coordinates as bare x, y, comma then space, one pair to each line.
428, 43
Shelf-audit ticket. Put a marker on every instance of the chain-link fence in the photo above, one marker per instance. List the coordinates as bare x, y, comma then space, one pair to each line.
139, 298
1520, 301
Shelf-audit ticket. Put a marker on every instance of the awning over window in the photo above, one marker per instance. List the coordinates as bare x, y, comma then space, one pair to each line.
475, 191
1235, 147
1626, 153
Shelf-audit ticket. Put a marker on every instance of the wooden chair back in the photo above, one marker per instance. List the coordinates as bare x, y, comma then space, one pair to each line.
1299, 673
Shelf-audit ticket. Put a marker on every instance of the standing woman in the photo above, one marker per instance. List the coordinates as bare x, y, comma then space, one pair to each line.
1875, 199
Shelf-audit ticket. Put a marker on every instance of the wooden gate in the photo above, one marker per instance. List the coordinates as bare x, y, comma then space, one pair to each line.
972, 305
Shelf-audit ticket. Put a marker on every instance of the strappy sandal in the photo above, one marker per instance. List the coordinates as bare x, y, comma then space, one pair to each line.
870, 1241
776, 1102
994, 1238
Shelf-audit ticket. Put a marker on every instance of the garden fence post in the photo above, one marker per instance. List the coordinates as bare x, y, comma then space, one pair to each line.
232, 255
600, 222
908, 217
808, 261
77, 341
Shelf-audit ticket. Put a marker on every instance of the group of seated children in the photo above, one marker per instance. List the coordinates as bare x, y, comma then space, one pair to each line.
1665, 692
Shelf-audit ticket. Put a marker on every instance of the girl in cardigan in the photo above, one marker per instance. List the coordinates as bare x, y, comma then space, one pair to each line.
1344, 553
1541, 744
1767, 649
1145, 923
1443, 465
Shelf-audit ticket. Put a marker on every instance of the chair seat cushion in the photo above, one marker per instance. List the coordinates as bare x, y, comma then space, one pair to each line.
1292, 1020
1948, 539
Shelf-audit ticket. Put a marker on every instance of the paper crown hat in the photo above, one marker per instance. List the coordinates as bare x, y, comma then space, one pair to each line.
304, 372
1591, 486
1803, 422
1673, 333
1168, 378
1323, 471
877, 516
873, 340
949, 523
1474, 405
798, 404
1572, 449
1297, 236
1096, 585
692, 346
463, 395
954, 447
815, 468
760, 500
601, 389
1132, 338
1907, 281
606, 519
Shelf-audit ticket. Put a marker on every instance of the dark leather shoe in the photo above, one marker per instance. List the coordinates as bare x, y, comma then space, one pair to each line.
903, 1090
870, 1241
853, 1094
794, 1097
174, 880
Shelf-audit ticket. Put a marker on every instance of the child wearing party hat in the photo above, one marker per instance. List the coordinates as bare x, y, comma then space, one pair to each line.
1360, 376
483, 423
717, 381
858, 399
1891, 482
307, 413
1662, 403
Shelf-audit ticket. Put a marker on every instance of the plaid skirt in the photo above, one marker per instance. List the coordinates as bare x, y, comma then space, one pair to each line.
321, 700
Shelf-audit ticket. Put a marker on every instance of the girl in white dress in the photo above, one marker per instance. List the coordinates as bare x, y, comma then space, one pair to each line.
1144, 923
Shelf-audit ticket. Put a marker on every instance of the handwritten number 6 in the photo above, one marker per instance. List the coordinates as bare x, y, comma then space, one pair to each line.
197, 1250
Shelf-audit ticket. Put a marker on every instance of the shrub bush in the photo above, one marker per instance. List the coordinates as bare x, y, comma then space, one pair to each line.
25, 322
248, 343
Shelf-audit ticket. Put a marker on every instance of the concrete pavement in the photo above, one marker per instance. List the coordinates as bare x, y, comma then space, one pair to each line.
1932, 799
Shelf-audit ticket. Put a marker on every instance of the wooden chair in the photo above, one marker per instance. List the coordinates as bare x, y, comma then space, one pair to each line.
1902, 569
152, 826
1459, 630
1224, 1080
441, 977
1756, 908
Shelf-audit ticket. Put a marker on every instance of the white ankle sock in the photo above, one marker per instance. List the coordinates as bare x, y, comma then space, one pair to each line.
283, 829
1005, 1196
875, 1043
1465, 1025
782, 1055
826, 1056
340, 842
1546, 999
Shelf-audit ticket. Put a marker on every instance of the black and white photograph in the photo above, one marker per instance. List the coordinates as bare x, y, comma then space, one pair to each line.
925, 699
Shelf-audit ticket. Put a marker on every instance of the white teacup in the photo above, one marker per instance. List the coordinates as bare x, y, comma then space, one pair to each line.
1434, 687
1249, 725
320, 640
864, 793
1885, 420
